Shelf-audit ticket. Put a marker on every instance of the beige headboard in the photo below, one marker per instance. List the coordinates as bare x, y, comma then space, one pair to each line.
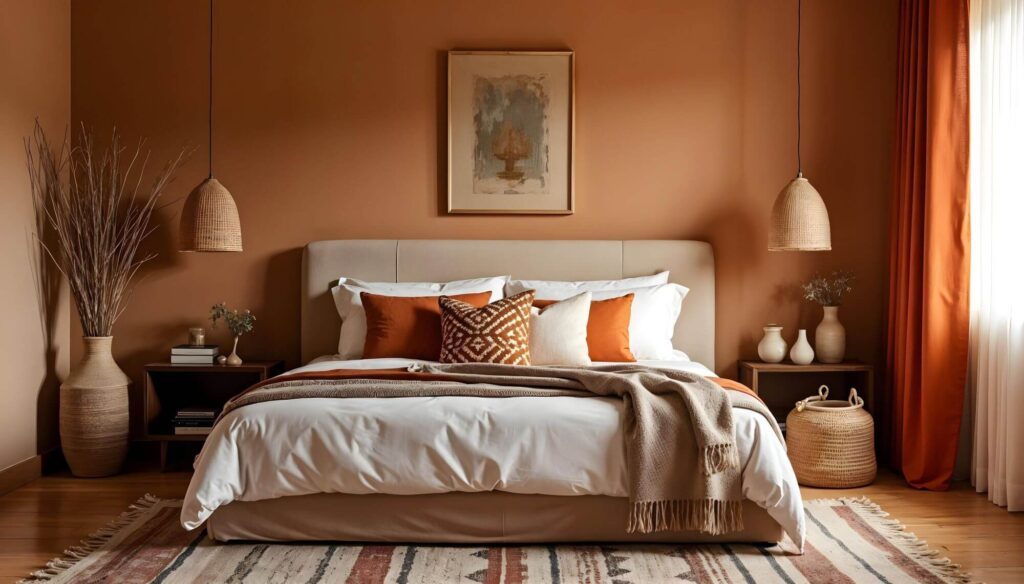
691, 264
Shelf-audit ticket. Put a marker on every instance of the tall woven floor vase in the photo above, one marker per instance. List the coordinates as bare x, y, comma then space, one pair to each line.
94, 412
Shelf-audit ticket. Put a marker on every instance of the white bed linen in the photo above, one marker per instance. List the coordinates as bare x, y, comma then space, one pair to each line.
425, 445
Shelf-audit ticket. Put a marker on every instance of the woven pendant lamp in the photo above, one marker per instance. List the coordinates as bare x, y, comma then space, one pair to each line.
209, 219
799, 217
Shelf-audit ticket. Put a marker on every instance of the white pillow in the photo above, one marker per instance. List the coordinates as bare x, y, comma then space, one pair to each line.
652, 318
347, 300
558, 333
560, 290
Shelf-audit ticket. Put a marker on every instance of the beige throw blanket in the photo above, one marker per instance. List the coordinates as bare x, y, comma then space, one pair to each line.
683, 467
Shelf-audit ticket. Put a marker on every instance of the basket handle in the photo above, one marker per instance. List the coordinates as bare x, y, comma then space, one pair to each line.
822, 396
855, 400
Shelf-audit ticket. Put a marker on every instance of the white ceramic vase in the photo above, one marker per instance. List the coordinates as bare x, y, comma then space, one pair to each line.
801, 353
772, 348
233, 358
830, 337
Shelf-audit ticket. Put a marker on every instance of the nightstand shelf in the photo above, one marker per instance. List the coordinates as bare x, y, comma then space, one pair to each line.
781, 385
170, 387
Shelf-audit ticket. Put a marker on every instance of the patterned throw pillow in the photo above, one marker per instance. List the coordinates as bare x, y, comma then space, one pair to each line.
496, 333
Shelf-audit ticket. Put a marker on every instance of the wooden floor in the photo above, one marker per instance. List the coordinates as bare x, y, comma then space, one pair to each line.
41, 519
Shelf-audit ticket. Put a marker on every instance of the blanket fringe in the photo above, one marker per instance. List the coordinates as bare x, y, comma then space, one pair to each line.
93, 542
906, 541
704, 515
719, 457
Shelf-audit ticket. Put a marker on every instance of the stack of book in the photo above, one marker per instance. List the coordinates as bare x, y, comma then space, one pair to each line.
194, 354
194, 420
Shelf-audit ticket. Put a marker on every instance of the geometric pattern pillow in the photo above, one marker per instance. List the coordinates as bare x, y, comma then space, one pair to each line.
496, 333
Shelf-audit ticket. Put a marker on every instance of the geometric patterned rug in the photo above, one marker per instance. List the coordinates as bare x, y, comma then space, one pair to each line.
848, 541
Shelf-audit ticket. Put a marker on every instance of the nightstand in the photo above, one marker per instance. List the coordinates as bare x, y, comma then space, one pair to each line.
170, 387
781, 385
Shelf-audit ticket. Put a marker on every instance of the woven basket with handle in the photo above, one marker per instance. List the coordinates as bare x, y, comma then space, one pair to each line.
831, 442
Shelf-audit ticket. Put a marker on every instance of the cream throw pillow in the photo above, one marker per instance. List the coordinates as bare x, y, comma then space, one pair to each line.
558, 333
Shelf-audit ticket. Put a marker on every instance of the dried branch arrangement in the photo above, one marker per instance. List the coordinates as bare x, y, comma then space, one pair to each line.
829, 290
100, 215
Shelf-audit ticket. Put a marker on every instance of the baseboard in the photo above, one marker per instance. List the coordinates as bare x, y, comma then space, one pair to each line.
20, 473
30, 469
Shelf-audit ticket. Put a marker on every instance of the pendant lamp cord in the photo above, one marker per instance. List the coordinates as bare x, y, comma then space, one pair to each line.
799, 14
209, 110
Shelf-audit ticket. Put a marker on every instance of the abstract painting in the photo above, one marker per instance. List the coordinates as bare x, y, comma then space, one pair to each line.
510, 127
510, 132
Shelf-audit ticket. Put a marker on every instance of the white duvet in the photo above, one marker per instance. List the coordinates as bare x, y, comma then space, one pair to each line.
425, 445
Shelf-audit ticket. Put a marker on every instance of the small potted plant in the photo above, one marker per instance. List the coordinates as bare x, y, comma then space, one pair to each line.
830, 336
239, 323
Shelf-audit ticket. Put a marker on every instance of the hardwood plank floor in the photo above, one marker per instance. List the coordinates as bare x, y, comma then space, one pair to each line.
39, 520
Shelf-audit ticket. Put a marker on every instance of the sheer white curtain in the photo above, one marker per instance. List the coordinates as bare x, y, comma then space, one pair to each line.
997, 249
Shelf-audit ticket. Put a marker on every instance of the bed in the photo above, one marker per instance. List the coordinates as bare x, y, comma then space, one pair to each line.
485, 470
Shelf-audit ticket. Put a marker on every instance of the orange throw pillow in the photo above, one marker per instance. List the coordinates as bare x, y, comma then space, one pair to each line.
407, 327
607, 329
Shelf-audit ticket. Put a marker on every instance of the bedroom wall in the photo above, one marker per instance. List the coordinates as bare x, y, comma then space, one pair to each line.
35, 39
329, 124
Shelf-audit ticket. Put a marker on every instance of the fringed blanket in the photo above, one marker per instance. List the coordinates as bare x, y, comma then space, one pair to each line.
683, 467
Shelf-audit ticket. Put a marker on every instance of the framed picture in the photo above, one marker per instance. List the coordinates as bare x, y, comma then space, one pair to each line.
510, 132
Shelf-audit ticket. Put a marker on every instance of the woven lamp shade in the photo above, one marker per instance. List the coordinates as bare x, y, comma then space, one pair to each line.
799, 219
209, 220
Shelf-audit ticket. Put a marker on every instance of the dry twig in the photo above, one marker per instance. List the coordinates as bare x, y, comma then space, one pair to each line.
100, 215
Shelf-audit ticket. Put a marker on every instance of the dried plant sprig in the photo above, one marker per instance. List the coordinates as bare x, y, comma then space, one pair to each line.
238, 322
100, 214
829, 290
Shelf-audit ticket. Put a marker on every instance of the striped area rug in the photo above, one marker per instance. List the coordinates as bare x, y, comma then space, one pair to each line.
850, 541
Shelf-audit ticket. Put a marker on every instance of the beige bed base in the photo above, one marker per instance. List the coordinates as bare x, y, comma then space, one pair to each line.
490, 517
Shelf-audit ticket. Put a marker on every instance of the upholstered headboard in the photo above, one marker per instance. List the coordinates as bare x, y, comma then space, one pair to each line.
691, 264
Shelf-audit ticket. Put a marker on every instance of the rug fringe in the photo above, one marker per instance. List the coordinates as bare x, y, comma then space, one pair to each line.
705, 515
93, 542
906, 541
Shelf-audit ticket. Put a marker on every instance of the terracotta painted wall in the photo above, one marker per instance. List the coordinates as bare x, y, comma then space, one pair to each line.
329, 125
35, 61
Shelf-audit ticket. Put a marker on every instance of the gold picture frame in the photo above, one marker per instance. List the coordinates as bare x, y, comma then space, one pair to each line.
511, 132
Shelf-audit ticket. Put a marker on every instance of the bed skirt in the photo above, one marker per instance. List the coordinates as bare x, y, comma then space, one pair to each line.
488, 517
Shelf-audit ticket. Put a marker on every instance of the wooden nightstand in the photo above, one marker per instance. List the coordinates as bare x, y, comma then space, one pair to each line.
781, 385
170, 387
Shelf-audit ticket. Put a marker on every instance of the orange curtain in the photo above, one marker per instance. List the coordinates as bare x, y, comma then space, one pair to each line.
930, 243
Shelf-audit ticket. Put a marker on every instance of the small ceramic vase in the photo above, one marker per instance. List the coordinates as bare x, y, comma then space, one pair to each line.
830, 337
772, 348
801, 353
233, 358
